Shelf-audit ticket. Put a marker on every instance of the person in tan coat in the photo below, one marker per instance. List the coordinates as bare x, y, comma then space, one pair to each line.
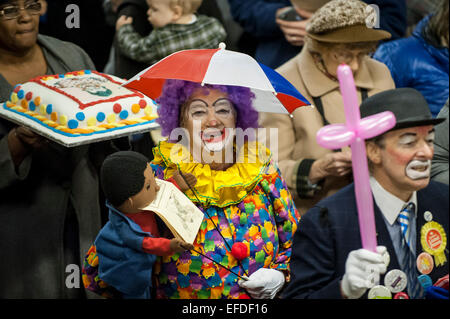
337, 33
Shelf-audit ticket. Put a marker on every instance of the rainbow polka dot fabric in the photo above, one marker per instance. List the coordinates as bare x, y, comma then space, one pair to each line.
264, 220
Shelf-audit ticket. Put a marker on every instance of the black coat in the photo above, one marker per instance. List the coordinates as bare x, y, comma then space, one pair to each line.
49, 206
328, 232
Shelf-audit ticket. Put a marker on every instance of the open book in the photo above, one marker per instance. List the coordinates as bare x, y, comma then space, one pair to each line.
177, 211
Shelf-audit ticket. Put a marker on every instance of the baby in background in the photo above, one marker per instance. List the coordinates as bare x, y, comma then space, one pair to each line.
176, 27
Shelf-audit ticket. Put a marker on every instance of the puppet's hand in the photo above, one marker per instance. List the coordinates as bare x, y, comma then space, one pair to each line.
183, 182
177, 245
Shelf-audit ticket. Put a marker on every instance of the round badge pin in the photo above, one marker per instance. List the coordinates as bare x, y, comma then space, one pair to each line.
401, 295
428, 216
425, 281
425, 263
395, 280
379, 292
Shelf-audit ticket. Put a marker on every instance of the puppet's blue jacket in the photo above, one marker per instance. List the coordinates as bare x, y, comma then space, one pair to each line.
122, 262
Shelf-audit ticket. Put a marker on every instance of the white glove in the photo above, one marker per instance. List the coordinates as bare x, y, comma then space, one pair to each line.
362, 270
263, 283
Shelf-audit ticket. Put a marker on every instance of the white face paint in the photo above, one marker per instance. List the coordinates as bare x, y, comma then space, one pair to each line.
417, 169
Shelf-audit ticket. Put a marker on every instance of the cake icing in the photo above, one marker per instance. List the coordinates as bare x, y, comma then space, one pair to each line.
81, 102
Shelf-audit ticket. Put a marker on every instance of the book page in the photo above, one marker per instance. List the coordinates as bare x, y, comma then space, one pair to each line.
178, 212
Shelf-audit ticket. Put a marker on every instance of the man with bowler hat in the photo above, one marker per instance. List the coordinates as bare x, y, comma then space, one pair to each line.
411, 217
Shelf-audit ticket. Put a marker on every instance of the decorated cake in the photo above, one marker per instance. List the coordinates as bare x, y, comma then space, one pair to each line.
81, 103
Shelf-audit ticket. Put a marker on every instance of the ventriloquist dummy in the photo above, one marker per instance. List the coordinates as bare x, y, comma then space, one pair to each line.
129, 243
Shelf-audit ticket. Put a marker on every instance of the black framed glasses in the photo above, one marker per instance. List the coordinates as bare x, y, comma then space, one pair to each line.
12, 11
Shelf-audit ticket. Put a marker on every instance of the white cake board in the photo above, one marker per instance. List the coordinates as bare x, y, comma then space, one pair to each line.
70, 141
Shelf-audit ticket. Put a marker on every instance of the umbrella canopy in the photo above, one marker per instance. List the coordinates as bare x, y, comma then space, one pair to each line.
273, 93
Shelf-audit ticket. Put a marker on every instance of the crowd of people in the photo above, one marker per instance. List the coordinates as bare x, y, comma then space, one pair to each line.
293, 216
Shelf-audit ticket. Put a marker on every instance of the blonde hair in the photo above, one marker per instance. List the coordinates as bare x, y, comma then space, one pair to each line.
188, 6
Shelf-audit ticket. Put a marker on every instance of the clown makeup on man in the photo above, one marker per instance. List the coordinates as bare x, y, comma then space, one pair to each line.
405, 155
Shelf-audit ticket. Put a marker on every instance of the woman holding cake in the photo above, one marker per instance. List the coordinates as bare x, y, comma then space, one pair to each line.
49, 207
249, 215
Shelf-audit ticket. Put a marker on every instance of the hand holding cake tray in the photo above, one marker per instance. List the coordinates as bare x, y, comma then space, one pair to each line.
79, 108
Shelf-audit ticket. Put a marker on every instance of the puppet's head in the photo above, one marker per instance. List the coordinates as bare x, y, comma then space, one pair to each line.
127, 180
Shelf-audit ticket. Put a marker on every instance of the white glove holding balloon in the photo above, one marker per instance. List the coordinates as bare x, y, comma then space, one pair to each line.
263, 283
361, 267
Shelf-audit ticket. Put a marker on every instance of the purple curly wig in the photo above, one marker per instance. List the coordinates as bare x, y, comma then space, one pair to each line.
176, 92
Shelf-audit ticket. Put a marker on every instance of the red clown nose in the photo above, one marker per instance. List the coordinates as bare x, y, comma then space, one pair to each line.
239, 251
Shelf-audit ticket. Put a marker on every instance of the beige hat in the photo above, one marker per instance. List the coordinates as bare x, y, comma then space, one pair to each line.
309, 5
344, 21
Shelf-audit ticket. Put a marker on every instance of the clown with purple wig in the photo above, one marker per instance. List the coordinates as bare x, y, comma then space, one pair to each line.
243, 246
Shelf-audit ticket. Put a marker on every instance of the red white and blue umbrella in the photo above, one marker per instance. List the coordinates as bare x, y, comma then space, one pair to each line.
273, 93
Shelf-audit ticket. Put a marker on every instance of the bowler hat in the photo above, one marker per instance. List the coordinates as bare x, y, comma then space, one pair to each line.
408, 105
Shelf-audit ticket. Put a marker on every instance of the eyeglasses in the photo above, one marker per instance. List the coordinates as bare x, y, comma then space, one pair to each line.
13, 11
198, 109
347, 56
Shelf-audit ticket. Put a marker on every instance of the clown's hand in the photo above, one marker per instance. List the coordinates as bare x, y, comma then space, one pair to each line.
360, 267
263, 283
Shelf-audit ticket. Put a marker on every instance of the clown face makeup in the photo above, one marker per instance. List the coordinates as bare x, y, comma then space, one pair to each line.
417, 169
405, 160
210, 119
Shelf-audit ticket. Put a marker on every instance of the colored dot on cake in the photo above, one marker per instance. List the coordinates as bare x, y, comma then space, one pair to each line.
49, 109
123, 115
135, 108
31, 106
17, 88
142, 103
24, 104
148, 110
72, 124
101, 116
87, 72
37, 100
43, 109
80, 116
111, 118
29, 96
63, 120
117, 108
54, 116
14, 99
20, 94
91, 121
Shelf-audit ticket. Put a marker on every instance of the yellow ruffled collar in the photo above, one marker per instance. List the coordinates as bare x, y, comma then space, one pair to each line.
217, 188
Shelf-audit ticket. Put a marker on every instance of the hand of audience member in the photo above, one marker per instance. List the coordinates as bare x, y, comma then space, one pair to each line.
362, 268
332, 164
122, 21
22, 141
294, 31
263, 283
177, 245
189, 178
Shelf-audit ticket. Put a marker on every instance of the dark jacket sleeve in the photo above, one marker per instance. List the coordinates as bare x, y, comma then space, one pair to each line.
313, 261
257, 17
